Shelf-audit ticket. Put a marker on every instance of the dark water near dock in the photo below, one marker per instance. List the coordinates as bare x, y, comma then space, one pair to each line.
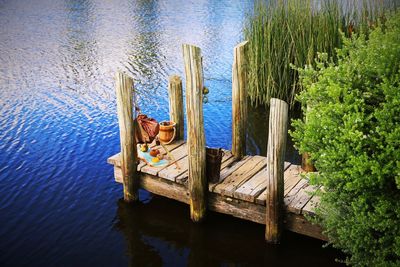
59, 205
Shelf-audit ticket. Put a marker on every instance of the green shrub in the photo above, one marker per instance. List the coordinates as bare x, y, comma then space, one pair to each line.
285, 32
352, 132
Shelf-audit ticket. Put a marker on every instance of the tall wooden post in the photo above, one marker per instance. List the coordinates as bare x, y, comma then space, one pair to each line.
195, 132
277, 134
239, 100
176, 104
125, 94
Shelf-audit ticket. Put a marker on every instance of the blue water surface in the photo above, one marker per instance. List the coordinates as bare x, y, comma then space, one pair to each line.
59, 205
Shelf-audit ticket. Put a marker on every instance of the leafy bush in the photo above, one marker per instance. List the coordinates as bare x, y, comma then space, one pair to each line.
352, 132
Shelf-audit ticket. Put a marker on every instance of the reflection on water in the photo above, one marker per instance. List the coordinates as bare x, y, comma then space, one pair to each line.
160, 233
58, 125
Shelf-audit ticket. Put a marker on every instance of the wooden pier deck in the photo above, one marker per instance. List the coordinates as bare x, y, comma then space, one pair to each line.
241, 191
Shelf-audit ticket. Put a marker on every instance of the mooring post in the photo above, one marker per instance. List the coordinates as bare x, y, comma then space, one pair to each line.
195, 132
277, 134
125, 94
176, 104
239, 100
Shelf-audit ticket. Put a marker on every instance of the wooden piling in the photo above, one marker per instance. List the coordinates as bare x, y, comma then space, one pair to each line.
176, 104
198, 186
239, 100
125, 94
277, 134
306, 163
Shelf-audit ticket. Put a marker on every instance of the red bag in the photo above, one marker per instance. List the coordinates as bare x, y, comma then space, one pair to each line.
147, 129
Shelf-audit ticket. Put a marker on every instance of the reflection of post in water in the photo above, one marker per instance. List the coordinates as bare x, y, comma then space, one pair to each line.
140, 253
198, 255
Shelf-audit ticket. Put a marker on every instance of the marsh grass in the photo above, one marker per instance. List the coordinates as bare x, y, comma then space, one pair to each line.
284, 33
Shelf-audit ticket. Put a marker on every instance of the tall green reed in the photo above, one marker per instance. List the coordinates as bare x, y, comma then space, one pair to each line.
283, 33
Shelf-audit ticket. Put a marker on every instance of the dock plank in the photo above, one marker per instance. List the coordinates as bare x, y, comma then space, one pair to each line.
309, 208
301, 199
226, 159
303, 183
291, 178
240, 175
228, 169
116, 159
255, 186
178, 152
172, 171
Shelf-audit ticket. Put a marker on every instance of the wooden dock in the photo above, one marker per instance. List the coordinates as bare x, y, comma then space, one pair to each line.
241, 191
264, 190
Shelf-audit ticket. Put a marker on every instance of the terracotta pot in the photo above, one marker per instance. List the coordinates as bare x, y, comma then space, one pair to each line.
167, 132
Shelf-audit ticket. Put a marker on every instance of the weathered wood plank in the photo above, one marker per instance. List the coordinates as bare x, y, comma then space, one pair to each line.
251, 189
176, 105
183, 178
178, 153
171, 147
277, 133
229, 169
309, 208
163, 187
173, 171
239, 99
299, 224
116, 159
292, 177
303, 183
198, 186
118, 174
127, 125
301, 199
237, 208
234, 207
240, 176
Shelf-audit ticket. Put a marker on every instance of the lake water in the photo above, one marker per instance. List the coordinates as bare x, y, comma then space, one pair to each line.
59, 205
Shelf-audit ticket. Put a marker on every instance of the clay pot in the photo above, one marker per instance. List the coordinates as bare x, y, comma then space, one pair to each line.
167, 132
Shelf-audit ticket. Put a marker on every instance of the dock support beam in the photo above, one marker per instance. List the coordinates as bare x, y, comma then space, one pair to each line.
125, 94
277, 134
176, 104
239, 100
198, 186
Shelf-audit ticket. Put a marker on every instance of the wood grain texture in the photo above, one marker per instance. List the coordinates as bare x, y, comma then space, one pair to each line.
234, 207
176, 105
173, 171
277, 134
252, 188
228, 169
240, 176
303, 183
309, 208
299, 224
301, 199
239, 99
183, 178
238, 208
177, 153
198, 186
124, 91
